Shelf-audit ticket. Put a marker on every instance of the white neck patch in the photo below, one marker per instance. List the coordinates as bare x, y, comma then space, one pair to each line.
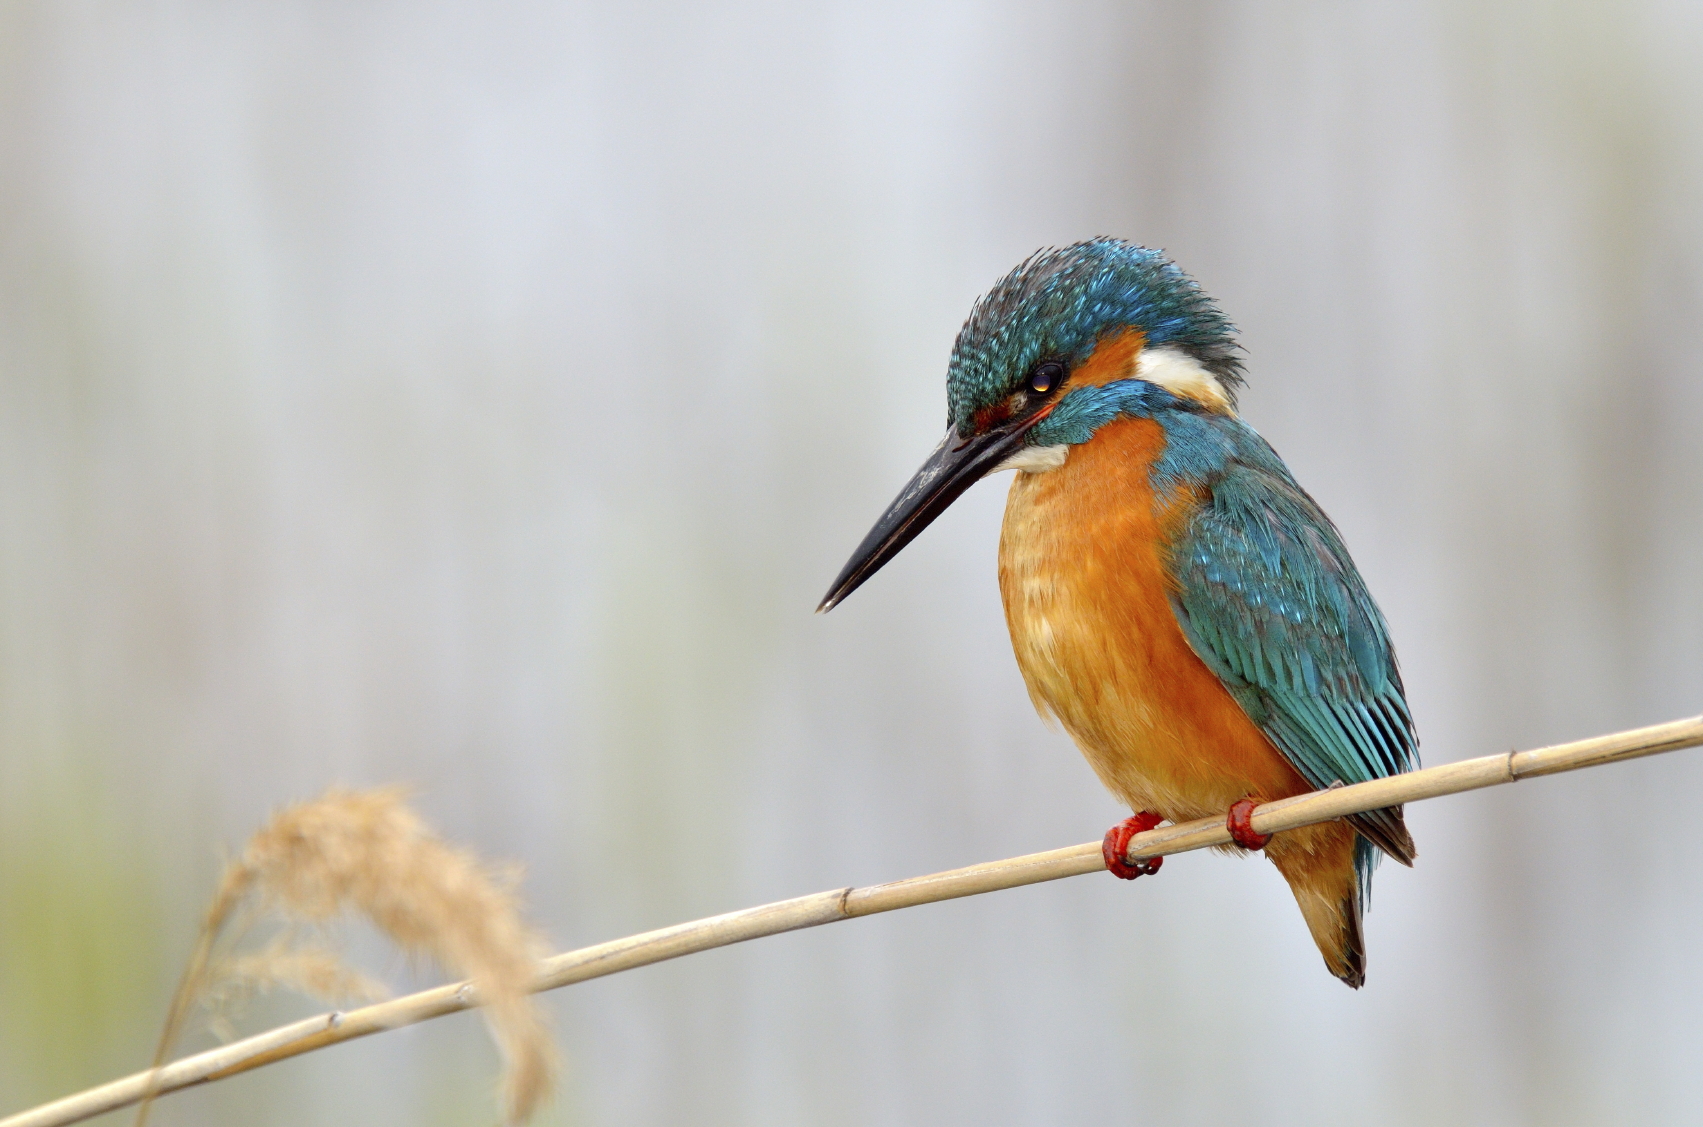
1170, 368
1181, 374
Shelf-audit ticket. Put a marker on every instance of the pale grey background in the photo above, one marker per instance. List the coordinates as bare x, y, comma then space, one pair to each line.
481, 397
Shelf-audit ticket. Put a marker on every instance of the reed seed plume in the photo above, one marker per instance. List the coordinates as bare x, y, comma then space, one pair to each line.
290, 963
367, 852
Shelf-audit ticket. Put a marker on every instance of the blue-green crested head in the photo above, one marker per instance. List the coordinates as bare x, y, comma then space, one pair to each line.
1061, 302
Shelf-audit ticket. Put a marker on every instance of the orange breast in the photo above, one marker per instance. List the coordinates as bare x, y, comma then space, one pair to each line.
1082, 574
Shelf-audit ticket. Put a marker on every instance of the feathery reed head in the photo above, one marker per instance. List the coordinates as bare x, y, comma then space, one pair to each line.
367, 852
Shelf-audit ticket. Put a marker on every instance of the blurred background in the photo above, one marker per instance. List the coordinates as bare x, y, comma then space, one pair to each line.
480, 398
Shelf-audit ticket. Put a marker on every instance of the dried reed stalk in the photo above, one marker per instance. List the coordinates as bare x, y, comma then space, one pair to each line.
849, 903
367, 852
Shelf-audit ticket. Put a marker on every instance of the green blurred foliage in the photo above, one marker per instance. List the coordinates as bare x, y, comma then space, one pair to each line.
80, 999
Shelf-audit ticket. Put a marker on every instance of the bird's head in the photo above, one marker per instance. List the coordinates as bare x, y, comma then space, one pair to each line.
1062, 345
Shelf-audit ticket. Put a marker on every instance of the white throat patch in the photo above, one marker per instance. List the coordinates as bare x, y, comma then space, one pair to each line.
1035, 459
1181, 374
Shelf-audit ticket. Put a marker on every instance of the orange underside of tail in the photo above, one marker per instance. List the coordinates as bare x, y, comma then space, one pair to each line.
1082, 572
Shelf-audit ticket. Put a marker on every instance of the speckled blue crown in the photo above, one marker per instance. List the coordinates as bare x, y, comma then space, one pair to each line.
1062, 300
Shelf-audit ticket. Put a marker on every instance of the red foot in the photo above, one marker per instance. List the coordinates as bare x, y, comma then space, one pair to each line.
1241, 826
1116, 846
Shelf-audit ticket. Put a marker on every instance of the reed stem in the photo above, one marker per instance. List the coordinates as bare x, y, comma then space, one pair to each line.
849, 903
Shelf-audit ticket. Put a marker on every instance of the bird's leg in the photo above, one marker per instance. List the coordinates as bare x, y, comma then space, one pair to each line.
1116, 846
1240, 823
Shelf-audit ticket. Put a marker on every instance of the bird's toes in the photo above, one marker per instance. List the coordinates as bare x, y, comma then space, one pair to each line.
1240, 823
1116, 847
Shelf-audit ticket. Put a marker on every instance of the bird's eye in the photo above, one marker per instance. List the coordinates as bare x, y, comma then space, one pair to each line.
1046, 377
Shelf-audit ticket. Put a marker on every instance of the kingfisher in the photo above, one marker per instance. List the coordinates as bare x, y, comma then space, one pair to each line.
1176, 601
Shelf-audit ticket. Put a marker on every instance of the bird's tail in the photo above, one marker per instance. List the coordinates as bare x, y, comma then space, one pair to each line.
1325, 866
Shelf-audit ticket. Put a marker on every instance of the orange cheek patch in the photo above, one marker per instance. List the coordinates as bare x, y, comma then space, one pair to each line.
991, 416
1113, 359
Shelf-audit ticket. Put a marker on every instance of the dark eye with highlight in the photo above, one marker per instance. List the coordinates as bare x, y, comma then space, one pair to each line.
1046, 377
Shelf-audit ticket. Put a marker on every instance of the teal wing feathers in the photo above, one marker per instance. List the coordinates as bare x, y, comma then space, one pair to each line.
1268, 597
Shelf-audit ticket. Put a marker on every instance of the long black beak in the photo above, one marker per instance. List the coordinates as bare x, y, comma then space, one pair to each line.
955, 465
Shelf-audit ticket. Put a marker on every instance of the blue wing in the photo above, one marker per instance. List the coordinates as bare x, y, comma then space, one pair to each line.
1268, 597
